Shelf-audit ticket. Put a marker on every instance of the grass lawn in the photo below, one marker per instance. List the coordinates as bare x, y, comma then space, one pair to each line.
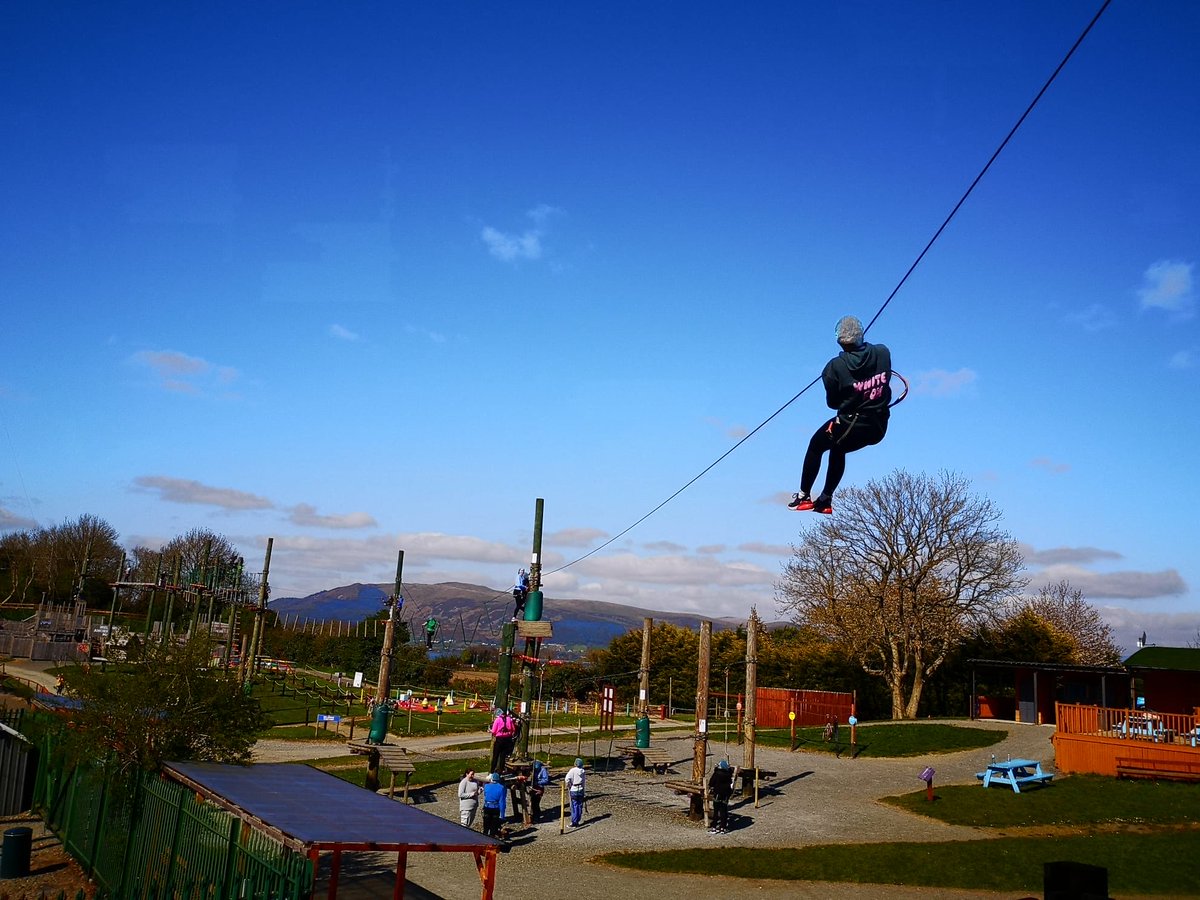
1143, 832
1164, 862
1074, 800
893, 740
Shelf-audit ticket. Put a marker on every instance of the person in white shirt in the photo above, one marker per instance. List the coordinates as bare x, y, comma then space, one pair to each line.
575, 780
468, 798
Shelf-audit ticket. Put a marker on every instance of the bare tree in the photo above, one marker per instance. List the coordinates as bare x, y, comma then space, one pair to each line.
900, 574
1063, 608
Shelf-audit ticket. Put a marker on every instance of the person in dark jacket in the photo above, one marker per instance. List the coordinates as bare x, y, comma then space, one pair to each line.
857, 386
720, 788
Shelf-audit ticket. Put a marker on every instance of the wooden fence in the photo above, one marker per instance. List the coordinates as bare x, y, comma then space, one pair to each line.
1090, 739
810, 707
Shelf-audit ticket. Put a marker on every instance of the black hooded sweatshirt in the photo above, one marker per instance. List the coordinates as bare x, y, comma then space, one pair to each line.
857, 381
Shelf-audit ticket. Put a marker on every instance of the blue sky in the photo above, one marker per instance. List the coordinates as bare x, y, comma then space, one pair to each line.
365, 277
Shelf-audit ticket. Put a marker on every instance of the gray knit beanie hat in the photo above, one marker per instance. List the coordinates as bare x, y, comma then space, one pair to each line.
849, 331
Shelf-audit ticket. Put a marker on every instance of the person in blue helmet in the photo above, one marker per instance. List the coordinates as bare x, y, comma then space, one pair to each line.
494, 802
720, 788
857, 386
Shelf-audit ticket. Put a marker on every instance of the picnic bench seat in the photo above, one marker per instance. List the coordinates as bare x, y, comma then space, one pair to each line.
394, 757
1166, 769
659, 758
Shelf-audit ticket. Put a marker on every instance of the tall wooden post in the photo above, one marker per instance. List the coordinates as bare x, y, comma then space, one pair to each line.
250, 661
383, 686
751, 694
532, 613
644, 686
700, 754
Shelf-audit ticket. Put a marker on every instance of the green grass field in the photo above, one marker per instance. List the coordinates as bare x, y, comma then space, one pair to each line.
892, 740
1143, 832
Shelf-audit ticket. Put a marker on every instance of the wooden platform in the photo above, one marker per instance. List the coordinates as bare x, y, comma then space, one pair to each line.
656, 757
394, 757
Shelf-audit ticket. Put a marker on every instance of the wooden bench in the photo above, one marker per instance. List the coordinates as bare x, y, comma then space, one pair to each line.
395, 758
1166, 769
656, 757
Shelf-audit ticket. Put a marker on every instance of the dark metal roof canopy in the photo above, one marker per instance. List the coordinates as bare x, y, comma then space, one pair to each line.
312, 811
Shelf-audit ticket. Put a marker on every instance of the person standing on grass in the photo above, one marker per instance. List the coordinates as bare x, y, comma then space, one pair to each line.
576, 780
468, 798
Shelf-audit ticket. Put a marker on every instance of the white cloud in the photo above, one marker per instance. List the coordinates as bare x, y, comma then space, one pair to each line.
343, 333
1066, 555
1167, 285
526, 244
181, 373
306, 515
575, 537
940, 383
510, 247
1184, 359
1049, 465
1094, 318
1127, 585
181, 490
11, 521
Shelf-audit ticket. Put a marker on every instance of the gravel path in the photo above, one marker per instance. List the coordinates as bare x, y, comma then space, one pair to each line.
816, 798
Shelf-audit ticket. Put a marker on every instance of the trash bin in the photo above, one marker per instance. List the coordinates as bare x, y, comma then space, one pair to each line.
379, 725
642, 727
15, 852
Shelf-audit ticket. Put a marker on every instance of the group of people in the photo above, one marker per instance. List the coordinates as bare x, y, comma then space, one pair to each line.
491, 793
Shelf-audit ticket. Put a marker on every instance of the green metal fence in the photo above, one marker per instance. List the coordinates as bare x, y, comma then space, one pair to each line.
152, 838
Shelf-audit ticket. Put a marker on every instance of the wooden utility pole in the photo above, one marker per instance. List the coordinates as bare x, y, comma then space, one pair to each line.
532, 612
644, 686
700, 755
750, 720
250, 660
383, 687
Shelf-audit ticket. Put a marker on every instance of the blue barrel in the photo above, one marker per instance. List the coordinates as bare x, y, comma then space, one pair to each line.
15, 852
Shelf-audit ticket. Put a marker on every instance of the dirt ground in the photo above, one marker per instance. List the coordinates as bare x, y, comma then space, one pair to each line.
51, 869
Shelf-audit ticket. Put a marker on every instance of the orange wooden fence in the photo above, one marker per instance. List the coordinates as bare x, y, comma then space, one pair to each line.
1090, 739
810, 707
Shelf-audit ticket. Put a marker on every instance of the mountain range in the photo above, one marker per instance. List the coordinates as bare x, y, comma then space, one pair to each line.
474, 614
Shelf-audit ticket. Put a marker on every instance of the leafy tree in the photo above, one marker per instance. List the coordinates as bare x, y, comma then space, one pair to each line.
57, 562
169, 704
900, 575
1063, 608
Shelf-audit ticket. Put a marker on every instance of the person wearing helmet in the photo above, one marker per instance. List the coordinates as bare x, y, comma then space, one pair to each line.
720, 788
494, 802
856, 385
575, 779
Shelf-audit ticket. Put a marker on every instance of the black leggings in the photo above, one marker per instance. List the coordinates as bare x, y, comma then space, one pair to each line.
839, 438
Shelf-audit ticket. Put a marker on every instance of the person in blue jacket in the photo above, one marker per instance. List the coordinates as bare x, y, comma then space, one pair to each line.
537, 787
857, 386
494, 802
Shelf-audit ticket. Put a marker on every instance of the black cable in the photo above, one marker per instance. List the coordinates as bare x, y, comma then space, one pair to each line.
895, 290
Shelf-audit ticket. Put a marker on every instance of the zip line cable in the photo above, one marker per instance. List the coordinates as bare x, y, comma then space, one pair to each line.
879, 312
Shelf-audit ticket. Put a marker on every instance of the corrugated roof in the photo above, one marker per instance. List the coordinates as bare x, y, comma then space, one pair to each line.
1175, 659
308, 808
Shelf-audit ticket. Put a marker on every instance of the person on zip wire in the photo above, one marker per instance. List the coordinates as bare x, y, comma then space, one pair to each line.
857, 386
